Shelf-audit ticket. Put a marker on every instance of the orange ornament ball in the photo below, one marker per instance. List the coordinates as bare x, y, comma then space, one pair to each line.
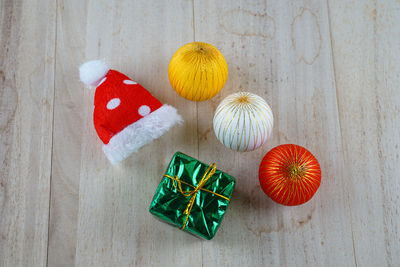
290, 174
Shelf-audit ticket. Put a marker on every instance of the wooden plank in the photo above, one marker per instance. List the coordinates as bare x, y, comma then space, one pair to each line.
280, 50
27, 39
366, 37
68, 131
114, 226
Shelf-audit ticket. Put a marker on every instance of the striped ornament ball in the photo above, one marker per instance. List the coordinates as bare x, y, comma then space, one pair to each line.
290, 174
243, 121
197, 71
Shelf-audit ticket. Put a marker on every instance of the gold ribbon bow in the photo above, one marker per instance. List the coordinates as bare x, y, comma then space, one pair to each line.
193, 193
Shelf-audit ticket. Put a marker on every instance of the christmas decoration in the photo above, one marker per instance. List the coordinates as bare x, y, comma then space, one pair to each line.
197, 71
290, 175
193, 196
243, 121
126, 116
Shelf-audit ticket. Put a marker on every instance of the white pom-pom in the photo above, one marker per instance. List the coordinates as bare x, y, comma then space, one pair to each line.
92, 72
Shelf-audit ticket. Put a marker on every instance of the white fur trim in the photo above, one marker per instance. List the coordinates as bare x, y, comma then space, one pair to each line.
141, 132
93, 71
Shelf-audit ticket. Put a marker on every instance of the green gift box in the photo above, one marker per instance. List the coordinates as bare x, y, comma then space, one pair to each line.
193, 196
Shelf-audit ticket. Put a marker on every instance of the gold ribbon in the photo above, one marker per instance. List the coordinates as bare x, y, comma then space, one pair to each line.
193, 193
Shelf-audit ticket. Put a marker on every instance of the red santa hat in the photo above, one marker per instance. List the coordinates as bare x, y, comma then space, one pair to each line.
126, 116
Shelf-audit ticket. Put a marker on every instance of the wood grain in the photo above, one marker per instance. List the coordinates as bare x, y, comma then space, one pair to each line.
68, 131
328, 69
292, 69
114, 225
366, 38
26, 116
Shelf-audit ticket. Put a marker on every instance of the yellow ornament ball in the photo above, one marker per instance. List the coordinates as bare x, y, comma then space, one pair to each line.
198, 71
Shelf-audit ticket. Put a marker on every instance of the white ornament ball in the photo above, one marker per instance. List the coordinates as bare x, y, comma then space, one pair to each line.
243, 121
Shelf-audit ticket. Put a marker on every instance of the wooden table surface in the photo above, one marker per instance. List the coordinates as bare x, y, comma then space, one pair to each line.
329, 69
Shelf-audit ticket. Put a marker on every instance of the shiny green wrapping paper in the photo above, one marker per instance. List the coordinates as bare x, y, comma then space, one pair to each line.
208, 210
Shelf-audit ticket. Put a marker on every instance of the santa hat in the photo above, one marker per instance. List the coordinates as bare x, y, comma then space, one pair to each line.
126, 116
